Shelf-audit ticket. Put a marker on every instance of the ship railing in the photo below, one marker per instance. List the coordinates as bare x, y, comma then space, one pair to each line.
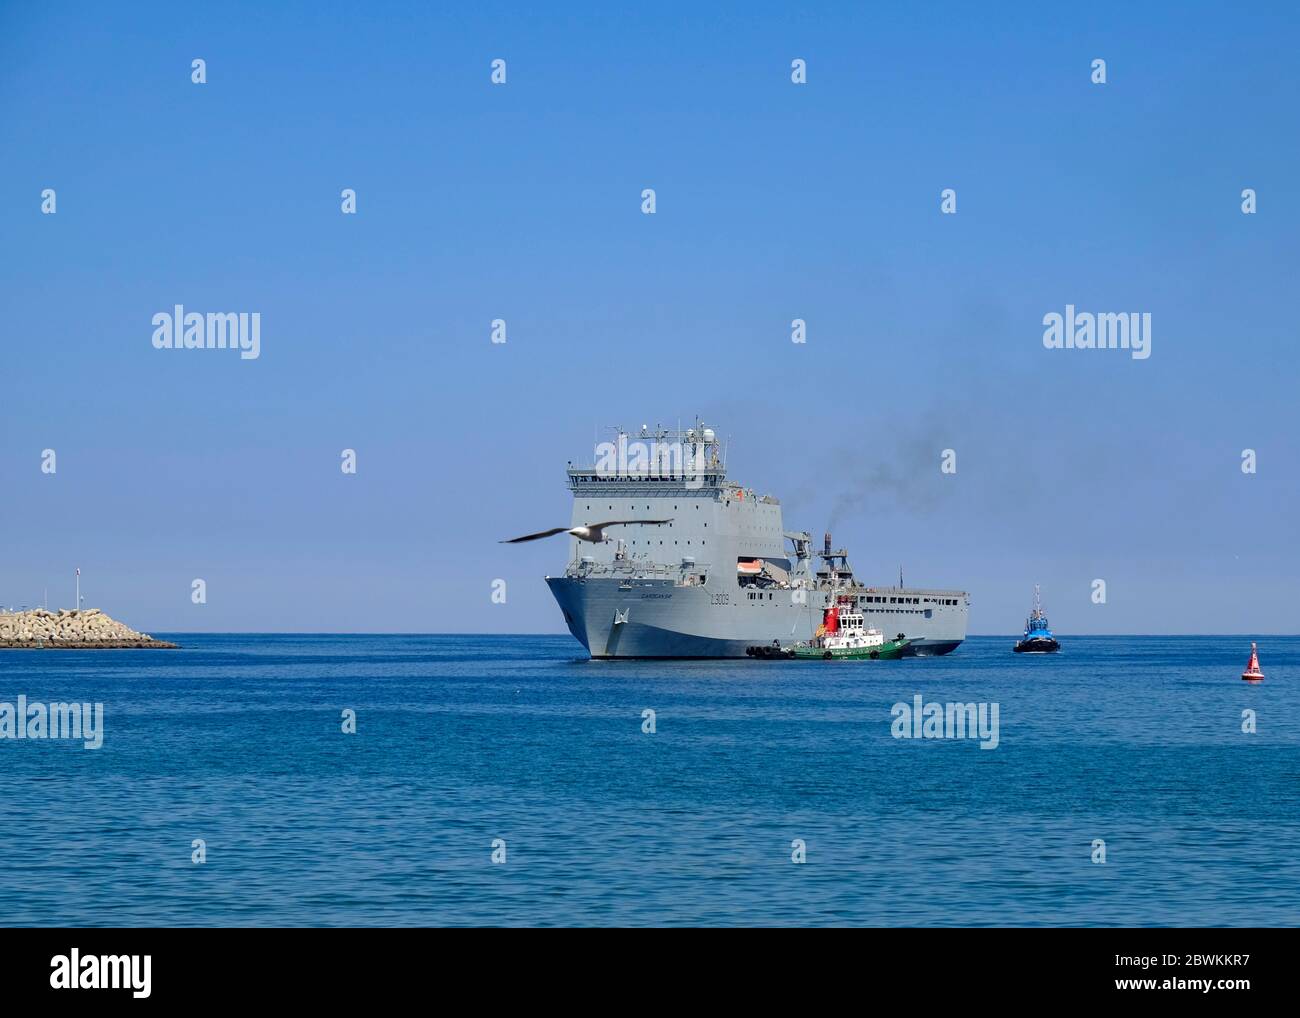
637, 569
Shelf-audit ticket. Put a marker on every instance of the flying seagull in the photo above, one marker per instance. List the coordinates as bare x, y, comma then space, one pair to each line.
593, 532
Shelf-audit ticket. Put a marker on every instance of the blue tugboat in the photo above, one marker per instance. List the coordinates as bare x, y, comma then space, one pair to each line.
1038, 638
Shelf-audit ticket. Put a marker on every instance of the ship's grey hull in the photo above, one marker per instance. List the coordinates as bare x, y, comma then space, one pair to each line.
650, 618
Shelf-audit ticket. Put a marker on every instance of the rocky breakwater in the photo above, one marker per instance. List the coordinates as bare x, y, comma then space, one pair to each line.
88, 629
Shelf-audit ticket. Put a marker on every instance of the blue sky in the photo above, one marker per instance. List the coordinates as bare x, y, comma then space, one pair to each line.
522, 202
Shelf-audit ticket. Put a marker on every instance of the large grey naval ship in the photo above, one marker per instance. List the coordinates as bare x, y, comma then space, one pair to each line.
695, 565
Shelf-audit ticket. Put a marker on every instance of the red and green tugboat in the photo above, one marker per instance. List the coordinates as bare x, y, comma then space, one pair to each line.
1038, 638
841, 636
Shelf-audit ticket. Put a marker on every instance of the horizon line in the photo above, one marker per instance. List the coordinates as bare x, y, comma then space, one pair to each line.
341, 632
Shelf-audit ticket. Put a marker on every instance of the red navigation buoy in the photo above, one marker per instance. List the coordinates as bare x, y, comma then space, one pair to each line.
1252, 672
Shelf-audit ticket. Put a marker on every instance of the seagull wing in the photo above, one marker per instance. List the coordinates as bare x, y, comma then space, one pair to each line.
533, 537
623, 523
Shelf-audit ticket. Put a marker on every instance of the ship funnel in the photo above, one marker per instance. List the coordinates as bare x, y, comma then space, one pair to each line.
827, 546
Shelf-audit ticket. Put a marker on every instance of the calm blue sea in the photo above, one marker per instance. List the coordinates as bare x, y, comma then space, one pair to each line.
237, 740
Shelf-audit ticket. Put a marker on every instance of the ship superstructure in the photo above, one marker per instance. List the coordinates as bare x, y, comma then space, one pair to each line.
722, 574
